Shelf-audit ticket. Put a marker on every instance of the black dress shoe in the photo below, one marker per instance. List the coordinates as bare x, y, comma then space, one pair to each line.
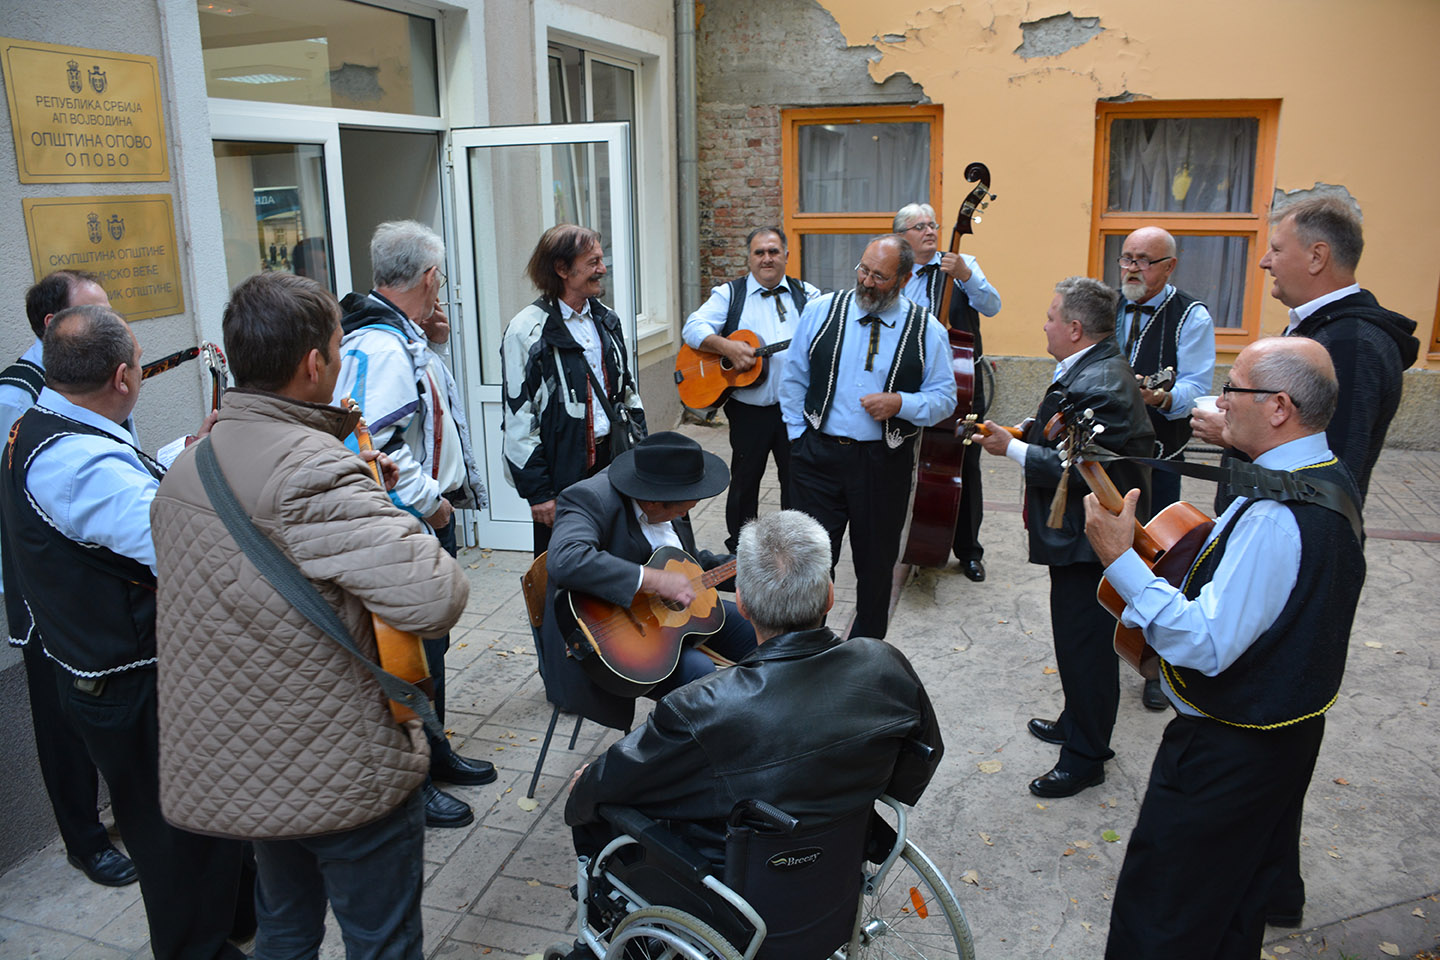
443, 810
1153, 697
974, 569
1058, 783
1047, 730
108, 867
462, 771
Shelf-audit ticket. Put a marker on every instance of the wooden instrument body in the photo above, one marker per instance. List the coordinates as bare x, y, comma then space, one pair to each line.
939, 462
399, 653
627, 650
706, 380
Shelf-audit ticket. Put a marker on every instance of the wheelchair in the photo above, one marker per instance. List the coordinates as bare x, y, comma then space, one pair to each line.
856, 888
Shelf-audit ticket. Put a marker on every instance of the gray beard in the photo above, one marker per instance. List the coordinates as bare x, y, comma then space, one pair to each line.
876, 303
1133, 290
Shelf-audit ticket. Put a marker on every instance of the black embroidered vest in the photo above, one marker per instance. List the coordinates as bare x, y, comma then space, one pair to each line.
907, 370
1292, 671
94, 609
26, 375
1158, 347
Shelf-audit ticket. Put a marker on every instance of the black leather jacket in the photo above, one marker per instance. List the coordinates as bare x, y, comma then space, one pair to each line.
1101, 381
810, 723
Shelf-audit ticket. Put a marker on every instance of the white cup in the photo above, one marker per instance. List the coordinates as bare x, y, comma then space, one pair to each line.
1207, 404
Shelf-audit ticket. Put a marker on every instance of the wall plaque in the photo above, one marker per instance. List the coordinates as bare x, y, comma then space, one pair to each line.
84, 116
128, 241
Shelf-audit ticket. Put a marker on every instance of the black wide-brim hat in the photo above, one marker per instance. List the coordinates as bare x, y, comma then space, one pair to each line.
668, 466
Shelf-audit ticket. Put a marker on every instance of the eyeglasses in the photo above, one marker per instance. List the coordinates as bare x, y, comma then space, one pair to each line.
441, 274
865, 273
923, 225
1143, 263
1230, 388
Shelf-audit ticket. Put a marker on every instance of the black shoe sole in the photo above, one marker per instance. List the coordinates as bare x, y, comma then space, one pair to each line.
465, 782
446, 823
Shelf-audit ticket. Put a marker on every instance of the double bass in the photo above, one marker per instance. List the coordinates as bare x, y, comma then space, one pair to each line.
942, 448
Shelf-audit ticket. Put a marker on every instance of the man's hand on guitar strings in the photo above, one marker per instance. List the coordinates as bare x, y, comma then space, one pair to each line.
1110, 535
668, 585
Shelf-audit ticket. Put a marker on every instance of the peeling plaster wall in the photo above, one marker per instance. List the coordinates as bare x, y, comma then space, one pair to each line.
755, 59
1357, 94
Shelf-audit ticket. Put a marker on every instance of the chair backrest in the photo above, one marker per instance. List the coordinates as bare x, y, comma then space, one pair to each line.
805, 884
532, 585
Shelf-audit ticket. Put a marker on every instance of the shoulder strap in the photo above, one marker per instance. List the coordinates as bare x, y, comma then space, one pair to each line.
291, 584
738, 287
797, 293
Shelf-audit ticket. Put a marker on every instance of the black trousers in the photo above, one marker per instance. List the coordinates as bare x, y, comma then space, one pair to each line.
190, 884
1216, 834
756, 434
966, 545
1089, 669
435, 650
542, 531
65, 764
867, 486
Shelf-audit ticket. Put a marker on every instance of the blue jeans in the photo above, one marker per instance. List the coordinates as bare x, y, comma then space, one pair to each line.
371, 876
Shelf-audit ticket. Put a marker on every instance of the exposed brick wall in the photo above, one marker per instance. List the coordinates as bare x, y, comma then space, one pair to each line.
739, 153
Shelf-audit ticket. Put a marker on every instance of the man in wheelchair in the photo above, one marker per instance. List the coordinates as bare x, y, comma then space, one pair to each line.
816, 726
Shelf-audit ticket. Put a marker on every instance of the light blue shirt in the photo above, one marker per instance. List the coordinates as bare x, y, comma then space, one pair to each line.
760, 315
983, 296
92, 490
846, 418
1194, 355
1251, 586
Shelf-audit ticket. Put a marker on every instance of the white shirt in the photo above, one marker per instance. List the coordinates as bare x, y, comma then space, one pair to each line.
1298, 314
658, 534
582, 328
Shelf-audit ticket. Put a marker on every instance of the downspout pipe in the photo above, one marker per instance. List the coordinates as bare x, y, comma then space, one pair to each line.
689, 156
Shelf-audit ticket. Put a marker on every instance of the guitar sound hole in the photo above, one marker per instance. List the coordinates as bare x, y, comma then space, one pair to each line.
675, 605
725, 364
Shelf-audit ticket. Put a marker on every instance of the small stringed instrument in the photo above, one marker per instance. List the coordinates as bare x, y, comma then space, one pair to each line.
707, 379
219, 369
627, 650
1159, 380
941, 457
168, 362
400, 653
1168, 544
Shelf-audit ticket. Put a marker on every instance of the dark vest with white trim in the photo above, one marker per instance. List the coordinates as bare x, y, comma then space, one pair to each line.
738, 288
93, 609
907, 369
1292, 671
1158, 347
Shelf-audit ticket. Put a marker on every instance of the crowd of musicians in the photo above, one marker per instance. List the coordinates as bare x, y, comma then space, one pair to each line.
222, 672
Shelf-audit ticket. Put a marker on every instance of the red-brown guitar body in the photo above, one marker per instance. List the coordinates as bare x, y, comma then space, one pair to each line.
706, 380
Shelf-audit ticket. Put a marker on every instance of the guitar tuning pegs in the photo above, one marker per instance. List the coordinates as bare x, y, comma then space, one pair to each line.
1098, 428
978, 219
994, 196
985, 204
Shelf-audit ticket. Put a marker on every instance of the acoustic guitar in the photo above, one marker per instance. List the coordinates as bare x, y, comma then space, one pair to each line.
936, 506
400, 653
1168, 544
627, 650
706, 380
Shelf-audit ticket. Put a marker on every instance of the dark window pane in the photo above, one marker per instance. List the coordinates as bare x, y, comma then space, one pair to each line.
1212, 269
828, 259
863, 167
1202, 165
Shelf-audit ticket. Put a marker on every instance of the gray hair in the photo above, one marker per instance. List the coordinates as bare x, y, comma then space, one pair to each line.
84, 346
401, 251
1329, 218
783, 571
1312, 386
1089, 302
911, 212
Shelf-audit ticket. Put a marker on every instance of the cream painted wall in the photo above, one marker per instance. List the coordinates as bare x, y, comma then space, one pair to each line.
1358, 85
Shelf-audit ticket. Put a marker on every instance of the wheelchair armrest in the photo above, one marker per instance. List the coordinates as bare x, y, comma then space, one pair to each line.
671, 852
759, 814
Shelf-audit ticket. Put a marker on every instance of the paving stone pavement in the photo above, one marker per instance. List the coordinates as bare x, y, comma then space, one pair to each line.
1370, 854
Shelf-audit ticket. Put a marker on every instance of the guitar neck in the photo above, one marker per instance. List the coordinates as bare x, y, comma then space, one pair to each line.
1113, 500
765, 351
719, 574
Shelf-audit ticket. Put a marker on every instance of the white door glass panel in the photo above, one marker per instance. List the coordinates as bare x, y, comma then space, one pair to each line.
248, 146
510, 185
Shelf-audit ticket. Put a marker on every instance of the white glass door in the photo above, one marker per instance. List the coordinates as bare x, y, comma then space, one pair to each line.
510, 185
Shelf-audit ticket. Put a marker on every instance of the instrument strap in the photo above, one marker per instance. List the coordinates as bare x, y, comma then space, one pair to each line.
291, 584
1259, 483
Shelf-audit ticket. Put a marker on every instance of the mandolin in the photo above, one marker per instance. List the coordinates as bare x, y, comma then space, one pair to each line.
627, 650
706, 380
1168, 544
400, 653
938, 464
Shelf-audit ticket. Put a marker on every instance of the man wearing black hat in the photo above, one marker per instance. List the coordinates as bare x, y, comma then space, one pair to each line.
606, 528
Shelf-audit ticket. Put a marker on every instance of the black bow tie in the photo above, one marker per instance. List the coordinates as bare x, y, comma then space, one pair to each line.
929, 269
775, 292
772, 292
1139, 308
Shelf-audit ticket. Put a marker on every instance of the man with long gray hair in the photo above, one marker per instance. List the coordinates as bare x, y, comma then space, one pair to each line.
392, 364
756, 729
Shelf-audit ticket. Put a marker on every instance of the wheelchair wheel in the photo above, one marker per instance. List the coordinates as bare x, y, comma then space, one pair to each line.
665, 933
913, 915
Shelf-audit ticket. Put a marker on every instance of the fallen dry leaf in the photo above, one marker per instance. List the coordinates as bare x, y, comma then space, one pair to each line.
532, 883
986, 838
1086, 925
1280, 949
1083, 844
1266, 955
1335, 854
1069, 851
1342, 781
473, 566
990, 766
527, 804
1417, 912
1374, 644
1049, 670
1389, 949
971, 877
